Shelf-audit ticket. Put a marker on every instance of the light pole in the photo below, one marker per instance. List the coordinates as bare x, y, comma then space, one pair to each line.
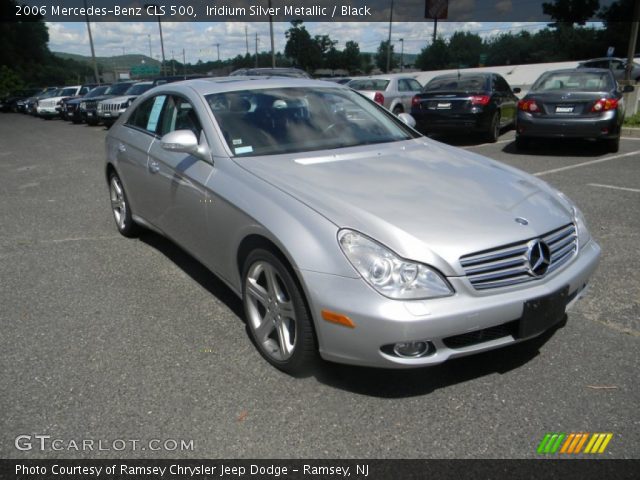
146, 6
93, 52
402, 54
273, 53
389, 39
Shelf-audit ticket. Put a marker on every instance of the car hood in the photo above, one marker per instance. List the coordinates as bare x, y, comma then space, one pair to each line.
121, 99
426, 201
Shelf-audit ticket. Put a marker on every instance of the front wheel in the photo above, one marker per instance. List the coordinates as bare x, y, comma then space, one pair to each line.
278, 320
121, 208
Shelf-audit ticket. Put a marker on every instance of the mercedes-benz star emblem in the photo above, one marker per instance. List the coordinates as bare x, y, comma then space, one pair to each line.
538, 258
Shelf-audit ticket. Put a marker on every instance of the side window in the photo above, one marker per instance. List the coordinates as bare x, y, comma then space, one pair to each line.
502, 85
403, 85
414, 85
146, 116
179, 114
84, 90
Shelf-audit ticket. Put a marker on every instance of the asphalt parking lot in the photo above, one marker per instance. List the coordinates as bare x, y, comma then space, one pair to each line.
108, 338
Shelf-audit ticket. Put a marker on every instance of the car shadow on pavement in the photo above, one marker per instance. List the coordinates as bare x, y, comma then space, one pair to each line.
559, 147
376, 382
385, 383
195, 270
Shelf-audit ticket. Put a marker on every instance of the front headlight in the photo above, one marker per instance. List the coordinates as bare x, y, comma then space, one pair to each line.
389, 274
578, 218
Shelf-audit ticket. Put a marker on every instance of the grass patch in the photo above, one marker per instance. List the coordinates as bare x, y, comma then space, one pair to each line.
632, 121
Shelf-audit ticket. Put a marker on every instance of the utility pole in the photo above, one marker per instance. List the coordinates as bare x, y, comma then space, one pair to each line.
161, 46
256, 49
173, 64
246, 38
93, 52
402, 55
389, 39
273, 53
218, 46
150, 54
635, 23
123, 50
184, 64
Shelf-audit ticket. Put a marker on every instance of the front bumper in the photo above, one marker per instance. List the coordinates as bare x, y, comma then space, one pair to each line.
380, 321
109, 115
604, 127
48, 111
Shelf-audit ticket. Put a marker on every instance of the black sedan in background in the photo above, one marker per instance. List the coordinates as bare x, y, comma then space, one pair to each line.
89, 107
71, 106
465, 102
584, 103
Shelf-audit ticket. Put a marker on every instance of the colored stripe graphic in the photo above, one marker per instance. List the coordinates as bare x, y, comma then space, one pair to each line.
572, 443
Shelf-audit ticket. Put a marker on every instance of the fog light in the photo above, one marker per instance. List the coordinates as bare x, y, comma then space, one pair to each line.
410, 349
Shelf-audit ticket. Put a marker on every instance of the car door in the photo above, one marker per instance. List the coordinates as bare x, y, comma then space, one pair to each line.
178, 180
508, 100
132, 150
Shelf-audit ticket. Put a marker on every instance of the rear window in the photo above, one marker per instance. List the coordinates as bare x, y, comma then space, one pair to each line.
462, 83
581, 81
118, 89
369, 85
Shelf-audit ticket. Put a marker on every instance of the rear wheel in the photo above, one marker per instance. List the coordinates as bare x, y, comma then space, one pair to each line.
494, 128
613, 145
277, 316
397, 110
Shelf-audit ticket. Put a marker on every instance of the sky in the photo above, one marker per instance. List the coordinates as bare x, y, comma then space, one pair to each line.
199, 38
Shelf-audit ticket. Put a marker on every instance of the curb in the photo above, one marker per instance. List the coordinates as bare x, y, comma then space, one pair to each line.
630, 132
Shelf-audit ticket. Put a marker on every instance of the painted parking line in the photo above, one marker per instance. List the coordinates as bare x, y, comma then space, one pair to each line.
613, 187
585, 164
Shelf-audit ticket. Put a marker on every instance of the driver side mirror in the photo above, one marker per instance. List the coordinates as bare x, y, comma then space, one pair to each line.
407, 119
184, 141
628, 89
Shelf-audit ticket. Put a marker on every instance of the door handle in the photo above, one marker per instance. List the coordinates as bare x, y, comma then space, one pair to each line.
121, 147
154, 167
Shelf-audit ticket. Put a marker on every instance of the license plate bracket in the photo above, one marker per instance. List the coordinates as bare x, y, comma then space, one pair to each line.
540, 314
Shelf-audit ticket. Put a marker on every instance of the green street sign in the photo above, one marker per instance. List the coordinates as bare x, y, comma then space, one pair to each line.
144, 70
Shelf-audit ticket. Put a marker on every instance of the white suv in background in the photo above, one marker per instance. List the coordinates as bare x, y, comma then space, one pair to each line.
50, 107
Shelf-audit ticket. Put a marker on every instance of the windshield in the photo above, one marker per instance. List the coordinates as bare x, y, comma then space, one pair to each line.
369, 84
138, 89
462, 83
67, 92
96, 92
580, 81
118, 89
291, 120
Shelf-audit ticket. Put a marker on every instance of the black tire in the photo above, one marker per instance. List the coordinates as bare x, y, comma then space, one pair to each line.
121, 208
92, 122
108, 123
494, 128
397, 110
267, 307
613, 145
75, 120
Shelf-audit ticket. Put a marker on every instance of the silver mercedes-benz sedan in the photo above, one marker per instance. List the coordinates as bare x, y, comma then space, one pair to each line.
344, 231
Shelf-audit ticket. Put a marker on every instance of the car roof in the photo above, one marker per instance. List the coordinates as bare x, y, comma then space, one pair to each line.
579, 70
210, 85
464, 74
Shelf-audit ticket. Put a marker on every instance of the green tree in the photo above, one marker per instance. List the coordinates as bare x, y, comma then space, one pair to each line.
350, 58
381, 57
465, 49
617, 26
434, 56
301, 48
566, 13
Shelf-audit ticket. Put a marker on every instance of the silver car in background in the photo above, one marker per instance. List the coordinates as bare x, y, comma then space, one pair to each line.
343, 230
394, 93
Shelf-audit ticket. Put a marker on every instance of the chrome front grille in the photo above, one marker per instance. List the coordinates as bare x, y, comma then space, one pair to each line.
110, 107
508, 265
